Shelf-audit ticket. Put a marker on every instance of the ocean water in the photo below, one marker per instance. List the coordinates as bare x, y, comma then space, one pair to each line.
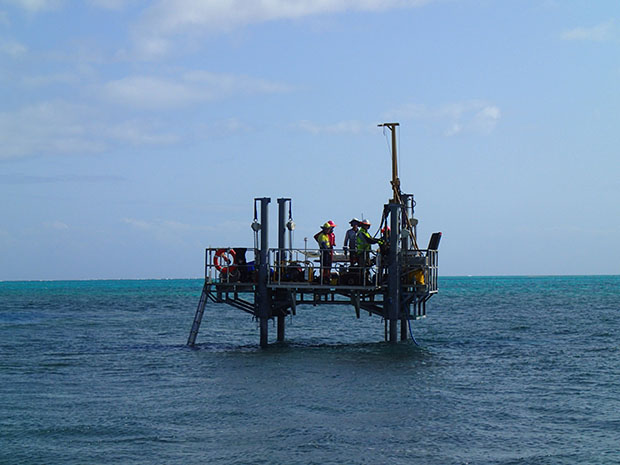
508, 370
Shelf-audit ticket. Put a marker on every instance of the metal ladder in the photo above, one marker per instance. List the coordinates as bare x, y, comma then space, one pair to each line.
198, 317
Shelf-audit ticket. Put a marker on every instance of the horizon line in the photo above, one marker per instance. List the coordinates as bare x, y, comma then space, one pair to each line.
202, 278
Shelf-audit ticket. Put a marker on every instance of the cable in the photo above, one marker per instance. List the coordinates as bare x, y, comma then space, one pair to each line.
383, 218
410, 228
411, 333
399, 151
387, 141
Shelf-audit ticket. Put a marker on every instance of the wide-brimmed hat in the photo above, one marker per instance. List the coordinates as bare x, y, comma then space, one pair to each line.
326, 226
354, 221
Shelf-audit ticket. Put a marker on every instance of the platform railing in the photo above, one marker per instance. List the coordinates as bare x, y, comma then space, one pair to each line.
306, 267
303, 267
231, 265
433, 270
419, 269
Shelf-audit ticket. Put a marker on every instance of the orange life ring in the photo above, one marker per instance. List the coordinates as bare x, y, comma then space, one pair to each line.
228, 260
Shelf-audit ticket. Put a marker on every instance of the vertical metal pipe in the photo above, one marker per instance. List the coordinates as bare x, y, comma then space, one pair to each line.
394, 270
281, 326
263, 273
393, 331
405, 245
403, 329
281, 257
282, 226
395, 179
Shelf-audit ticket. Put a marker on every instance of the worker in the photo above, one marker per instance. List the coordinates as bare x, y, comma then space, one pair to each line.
327, 251
364, 243
332, 235
350, 242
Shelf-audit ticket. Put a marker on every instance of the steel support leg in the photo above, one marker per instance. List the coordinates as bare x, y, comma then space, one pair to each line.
393, 330
262, 294
264, 332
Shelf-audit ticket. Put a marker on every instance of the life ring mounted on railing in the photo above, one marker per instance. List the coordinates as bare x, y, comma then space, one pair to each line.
224, 260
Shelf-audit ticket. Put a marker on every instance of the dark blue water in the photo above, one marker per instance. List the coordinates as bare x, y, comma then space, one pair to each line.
508, 371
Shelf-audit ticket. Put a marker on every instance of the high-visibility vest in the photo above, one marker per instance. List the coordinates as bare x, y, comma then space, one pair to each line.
364, 239
323, 240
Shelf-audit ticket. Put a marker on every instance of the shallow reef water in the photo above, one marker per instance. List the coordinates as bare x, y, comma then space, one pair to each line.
508, 370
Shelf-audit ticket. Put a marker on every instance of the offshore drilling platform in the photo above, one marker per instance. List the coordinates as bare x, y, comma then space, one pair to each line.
393, 282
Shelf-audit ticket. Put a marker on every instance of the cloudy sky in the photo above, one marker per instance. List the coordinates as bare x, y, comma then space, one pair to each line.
134, 134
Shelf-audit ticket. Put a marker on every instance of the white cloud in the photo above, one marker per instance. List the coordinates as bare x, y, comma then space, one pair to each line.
453, 118
43, 128
111, 4
171, 16
48, 79
146, 91
137, 132
224, 128
455, 129
232, 125
12, 48
58, 127
160, 225
35, 5
191, 88
351, 127
174, 231
484, 120
168, 232
19, 178
598, 33
56, 225
168, 18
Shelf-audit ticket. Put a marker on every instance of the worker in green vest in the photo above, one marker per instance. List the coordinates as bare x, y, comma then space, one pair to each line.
364, 243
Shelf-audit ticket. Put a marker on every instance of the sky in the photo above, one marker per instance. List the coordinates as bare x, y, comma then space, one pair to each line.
135, 134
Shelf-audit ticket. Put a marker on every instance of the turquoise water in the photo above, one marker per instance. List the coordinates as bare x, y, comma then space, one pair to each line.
509, 371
